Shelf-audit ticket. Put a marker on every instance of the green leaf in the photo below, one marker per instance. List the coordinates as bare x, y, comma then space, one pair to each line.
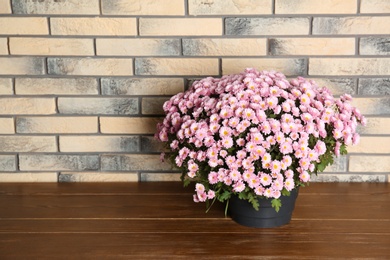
285, 192
276, 204
343, 149
254, 201
186, 182
242, 196
224, 196
321, 166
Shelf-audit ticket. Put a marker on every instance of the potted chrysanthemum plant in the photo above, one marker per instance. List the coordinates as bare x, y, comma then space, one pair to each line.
255, 137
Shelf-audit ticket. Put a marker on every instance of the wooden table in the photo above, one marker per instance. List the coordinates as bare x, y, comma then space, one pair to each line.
160, 221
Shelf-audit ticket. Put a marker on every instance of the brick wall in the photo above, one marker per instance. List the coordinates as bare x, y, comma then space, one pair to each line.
82, 82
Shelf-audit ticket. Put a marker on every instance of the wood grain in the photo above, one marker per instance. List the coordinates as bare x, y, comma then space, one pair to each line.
160, 221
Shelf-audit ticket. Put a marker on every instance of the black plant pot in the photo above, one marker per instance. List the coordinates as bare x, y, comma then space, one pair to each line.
242, 212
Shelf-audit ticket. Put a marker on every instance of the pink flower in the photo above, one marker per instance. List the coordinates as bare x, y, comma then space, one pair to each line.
289, 184
253, 182
257, 137
265, 179
223, 153
320, 147
304, 176
191, 174
249, 113
241, 154
259, 190
268, 192
272, 102
304, 163
275, 166
285, 148
199, 188
202, 196
238, 186
246, 163
210, 194
227, 142
276, 194
233, 122
266, 158
279, 136
212, 153
192, 166
307, 117
226, 113
257, 132
355, 138
225, 131
240, 142
235, 175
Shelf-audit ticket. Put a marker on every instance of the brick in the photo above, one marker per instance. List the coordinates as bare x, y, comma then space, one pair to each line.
51, 46
141, 86
105, 106
369, 164
128, 125
24, 25
286, 66
312, 46
5, 7
376, 126
7, 163
28, 144
351, 25
160, 176
338, 86
99, 144
224, 47
138, 47
133, 162
267, 26
54, 125
55, 7
371, 145
29, 177
6, 86
375, 6
176, 66
153, 106
349, 66
3, 46
373, 106
58, 162
348, 178
88, 66
149, 144
21, 66
140, 7
56, 86
97, 177
315, 7
27, 106
376, 86
93, 26
180, 26
374, 46
229, 7
7, 126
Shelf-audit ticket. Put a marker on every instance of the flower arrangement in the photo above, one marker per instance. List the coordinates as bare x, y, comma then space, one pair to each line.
255, 134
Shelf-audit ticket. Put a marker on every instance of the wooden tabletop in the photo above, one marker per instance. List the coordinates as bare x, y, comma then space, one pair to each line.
160, 221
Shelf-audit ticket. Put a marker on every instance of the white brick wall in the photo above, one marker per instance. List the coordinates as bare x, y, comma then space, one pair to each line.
82, 83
